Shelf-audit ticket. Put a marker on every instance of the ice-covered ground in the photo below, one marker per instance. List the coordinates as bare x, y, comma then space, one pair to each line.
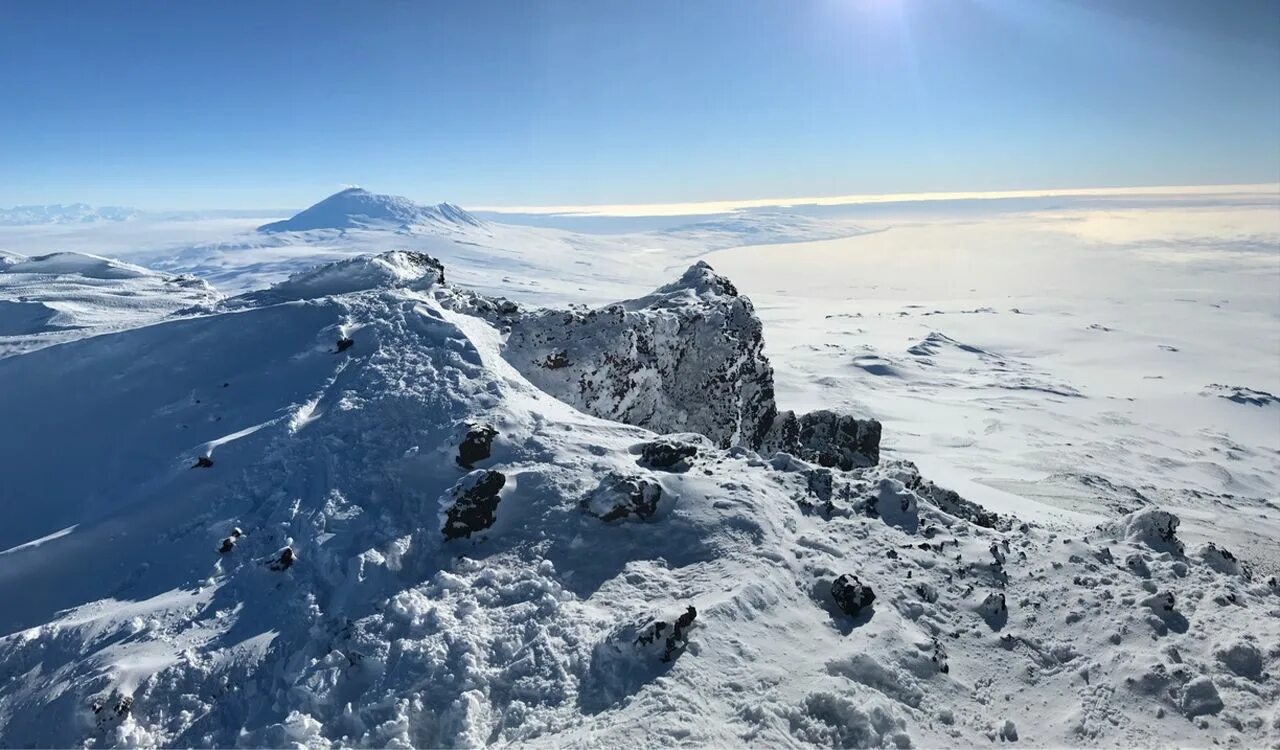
1079, 367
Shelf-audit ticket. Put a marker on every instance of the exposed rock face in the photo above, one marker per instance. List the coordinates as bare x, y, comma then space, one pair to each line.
687, 358
826, 438
851, 595
472, 504
619, 496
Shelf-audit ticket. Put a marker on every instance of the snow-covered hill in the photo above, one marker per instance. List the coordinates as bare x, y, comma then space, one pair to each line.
357, 208
47, 299
339, 514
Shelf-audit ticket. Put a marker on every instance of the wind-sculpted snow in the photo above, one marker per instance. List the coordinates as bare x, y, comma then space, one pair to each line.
616, 588
397, 268
48, 299
359, 208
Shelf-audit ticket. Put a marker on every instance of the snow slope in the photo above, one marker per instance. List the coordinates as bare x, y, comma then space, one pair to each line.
359, 208
58, 297
126, 625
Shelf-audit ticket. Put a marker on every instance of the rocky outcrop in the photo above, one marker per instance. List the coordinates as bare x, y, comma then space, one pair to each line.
687, 358
667, 454
826, 438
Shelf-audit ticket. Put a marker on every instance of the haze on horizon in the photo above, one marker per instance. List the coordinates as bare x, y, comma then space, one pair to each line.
569, 105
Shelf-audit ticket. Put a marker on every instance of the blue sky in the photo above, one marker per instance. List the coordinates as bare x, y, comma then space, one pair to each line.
276, 104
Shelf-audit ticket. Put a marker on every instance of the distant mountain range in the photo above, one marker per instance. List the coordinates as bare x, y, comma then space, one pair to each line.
59, 213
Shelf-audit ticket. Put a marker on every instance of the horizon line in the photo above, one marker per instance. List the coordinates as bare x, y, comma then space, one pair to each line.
690, 208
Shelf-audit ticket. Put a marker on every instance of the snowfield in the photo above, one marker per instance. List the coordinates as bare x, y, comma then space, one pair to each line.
903, 479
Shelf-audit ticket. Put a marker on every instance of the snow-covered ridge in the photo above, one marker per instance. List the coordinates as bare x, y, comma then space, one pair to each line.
389, 270
346, 519
56, 213
357, 208
80, 264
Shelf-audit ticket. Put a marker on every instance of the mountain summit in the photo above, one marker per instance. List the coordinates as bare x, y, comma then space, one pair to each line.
357, 208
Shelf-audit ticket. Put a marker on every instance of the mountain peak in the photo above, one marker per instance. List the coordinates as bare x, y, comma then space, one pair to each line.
357, 208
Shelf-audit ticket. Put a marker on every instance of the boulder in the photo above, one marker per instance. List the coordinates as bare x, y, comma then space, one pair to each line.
1200, 697
620, 496
851, 595
476, 445
1221, 560
1150, 527
284, 560
667, 454
471, 505
669, 637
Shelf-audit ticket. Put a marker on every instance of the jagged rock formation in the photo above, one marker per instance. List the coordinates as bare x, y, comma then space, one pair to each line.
825, 438
687, 358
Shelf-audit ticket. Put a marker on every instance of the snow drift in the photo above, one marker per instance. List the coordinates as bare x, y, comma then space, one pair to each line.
47, 299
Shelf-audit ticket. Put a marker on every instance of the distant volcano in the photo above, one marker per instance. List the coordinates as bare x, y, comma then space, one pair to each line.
357, 208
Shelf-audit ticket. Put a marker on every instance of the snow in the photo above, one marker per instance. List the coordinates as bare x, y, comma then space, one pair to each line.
1116, 586
356, 207
47, 299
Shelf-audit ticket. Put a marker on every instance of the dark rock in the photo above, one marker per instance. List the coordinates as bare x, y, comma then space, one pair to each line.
556, 360
820, 483
284, 561
619, 496
826, 438
850, 595
476, 446
345, 343
203, 462
228, 544
675, 634
666, 454
112, 709
475, 504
